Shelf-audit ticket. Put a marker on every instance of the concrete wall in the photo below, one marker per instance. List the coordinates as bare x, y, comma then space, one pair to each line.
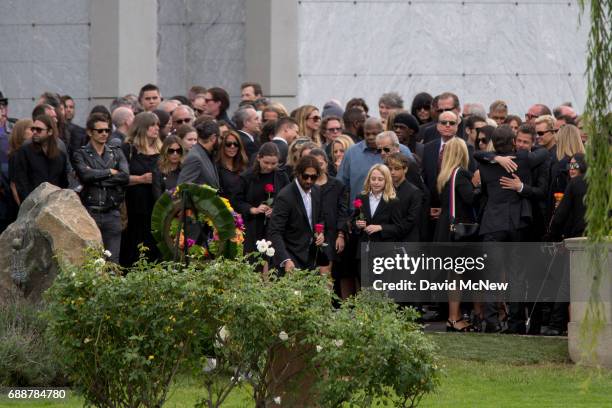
472, 48
44, 45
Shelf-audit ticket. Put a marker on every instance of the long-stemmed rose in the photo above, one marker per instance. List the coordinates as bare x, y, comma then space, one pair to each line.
269, 188
357, 203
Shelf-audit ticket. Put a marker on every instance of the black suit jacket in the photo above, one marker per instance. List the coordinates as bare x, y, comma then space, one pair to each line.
388, 215
506, 210
291, 234
410, 200
430, 133
283, 148
251, 146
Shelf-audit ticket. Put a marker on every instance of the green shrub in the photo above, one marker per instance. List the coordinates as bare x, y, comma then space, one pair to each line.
26, 354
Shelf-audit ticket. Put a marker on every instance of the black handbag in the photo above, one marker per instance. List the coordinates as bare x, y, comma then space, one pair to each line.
460, 231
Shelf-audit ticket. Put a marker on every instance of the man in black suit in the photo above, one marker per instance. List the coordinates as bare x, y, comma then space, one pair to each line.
249, 126
297, 208
446, 102
285, 132
506, 214
199, 166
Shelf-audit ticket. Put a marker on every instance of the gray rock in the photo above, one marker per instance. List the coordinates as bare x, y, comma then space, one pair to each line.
52, 224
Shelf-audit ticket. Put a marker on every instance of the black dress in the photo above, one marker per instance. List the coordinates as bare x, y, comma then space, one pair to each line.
465, 197
164, 182
251, 194
334, 197
139, 201
230, 183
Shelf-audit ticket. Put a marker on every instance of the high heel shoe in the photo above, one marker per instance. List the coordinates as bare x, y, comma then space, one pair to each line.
451, 326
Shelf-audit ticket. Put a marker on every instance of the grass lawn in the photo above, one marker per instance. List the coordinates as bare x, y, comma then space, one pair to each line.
480, 371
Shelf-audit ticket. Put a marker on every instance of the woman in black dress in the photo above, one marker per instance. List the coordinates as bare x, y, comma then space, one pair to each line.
453, 171
165, 174
568, 220
334, 195
141, 149
231, 162
255, 197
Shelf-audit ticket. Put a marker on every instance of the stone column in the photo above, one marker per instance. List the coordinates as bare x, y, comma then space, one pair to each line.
271, 48
581, 280
123, 53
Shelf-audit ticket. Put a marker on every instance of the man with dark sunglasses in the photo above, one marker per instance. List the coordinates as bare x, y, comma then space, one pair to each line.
182, 115
297, 209
104, 173
446, 102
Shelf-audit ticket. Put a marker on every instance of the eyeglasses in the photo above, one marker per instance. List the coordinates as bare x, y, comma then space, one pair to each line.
315, 118
447, 122
103, 130
334, 130
573, 166
312, 177
542, 133
423, 108
181, 121
232, 144
175, 151
36, 129
445, 110
384, 149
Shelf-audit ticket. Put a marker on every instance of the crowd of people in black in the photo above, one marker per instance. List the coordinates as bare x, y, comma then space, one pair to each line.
316, 183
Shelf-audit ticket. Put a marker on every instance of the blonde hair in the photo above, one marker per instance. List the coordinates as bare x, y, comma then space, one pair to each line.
569, 142
301, 117
344, 140
548, 119
455, 155
389, 191
293, 154
137, 134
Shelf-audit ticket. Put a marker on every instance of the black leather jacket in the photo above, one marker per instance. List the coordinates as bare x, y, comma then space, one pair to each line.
102, 191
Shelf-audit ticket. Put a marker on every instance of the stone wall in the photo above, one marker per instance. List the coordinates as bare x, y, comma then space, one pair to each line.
523, 52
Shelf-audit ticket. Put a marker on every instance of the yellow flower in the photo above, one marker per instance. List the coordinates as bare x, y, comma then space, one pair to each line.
151, 357
227, 203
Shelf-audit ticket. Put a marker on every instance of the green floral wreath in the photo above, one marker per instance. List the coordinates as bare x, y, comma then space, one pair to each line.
213, 210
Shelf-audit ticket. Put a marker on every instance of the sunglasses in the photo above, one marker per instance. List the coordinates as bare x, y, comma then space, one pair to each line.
574, 166
232, 144
447, 122
36, 129
482, 140
333, 130
103, 130
181, 121
175, 151
542, 133
312, 177
499, 118
445, 110
384, 149
423, 108
315, 118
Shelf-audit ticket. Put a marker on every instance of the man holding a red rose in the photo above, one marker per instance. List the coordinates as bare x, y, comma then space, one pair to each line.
296, 228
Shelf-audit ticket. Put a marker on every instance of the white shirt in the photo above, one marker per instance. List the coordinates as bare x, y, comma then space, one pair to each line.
307, 200
374, 201
249, 136
280, 138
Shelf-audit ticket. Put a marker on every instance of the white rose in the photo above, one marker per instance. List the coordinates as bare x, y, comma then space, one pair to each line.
211, 364
339, 342
262, 245
277, 400
283, 336
270, 252
319, 348
107, 253
297, 293
99, 262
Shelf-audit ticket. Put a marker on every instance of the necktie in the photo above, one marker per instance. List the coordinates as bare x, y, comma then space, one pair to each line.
440, 156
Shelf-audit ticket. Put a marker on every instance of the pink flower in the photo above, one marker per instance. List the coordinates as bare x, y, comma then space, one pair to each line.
357, 203
269, 188
318, 228
190, 242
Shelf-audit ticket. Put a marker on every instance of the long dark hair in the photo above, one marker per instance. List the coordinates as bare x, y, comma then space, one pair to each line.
52, 144
240, 161
266, 149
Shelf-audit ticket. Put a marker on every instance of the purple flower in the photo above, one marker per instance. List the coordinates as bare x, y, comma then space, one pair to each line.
190, 242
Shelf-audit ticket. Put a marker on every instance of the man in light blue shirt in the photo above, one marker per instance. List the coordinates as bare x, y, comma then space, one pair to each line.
360, 157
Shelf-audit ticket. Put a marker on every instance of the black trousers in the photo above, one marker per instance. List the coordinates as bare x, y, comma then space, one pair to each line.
109, 224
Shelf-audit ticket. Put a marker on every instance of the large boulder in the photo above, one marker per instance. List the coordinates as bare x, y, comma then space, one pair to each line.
52, 224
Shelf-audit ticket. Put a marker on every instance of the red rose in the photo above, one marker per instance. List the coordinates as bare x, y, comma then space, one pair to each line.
318, 228
269, 188
357, 203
